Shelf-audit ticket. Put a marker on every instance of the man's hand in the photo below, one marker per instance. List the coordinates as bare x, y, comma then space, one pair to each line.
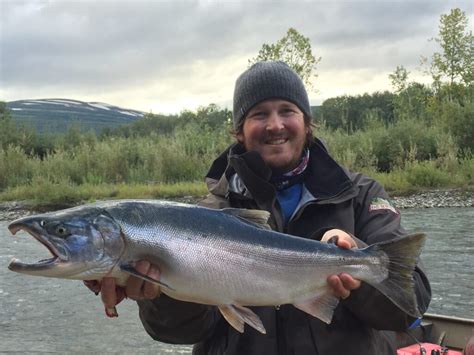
135, 288
341, 284
139, 289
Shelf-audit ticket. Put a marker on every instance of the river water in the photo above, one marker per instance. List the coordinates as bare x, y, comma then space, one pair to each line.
52, 315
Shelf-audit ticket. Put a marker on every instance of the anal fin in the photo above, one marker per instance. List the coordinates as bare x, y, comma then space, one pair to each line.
237, 316
321, 306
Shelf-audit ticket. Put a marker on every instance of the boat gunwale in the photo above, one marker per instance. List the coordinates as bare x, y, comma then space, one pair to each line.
432, 316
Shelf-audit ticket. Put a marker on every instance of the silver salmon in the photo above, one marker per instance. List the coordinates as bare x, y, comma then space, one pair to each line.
228, 258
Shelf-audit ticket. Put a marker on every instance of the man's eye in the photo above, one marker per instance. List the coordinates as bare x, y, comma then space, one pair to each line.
287, 111
258, 114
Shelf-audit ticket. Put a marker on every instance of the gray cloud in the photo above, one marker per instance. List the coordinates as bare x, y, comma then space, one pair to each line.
89, 46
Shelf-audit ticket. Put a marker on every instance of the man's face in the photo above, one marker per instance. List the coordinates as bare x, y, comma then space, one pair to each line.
276, 129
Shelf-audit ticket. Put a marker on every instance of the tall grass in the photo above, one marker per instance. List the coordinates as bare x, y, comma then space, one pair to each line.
404, 157
44, 193
116, 160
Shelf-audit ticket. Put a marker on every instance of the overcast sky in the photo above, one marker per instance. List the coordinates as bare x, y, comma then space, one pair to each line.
165, 56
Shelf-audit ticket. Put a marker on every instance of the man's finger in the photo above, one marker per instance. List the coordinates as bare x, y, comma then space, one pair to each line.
108, 293
93, 285
349, 282
343, 243
340, 238
151, 290
135, 284
337, 287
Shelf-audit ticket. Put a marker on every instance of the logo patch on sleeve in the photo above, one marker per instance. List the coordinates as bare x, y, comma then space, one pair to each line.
379, 204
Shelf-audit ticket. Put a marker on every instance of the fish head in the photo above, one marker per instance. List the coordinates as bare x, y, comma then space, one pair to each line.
85, 243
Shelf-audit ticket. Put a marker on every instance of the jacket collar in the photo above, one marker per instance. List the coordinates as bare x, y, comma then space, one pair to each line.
326, 180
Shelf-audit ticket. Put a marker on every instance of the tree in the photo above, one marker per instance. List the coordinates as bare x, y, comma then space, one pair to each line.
295, 50
411, 98
399, 79
213, 116
455, 61
352, 113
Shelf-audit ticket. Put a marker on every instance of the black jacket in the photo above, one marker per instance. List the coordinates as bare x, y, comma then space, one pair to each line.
333, 198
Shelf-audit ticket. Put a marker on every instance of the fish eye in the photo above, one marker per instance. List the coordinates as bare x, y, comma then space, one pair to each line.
42, 223
62, 231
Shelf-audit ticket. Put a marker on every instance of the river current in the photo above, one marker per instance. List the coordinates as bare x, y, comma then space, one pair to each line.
52, 315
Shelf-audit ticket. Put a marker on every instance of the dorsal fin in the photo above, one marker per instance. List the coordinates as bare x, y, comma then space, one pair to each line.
257, 217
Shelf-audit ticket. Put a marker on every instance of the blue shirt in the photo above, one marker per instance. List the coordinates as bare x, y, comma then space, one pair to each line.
288, 199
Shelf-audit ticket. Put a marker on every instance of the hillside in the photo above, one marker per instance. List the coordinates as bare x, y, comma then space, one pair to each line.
57, 115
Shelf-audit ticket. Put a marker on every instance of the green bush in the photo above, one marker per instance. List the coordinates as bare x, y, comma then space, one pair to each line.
460, 121
395, 182
404, 141
61, 192
355, 151
427, 174
466, 170
168, 156
16, 167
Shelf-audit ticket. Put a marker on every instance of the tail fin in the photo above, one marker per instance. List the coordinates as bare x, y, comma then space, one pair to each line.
402, 254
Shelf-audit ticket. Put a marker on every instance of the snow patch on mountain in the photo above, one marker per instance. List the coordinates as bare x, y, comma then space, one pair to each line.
59, 113
98, 106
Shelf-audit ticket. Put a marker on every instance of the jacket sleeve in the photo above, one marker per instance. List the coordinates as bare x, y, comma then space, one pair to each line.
177, 322
378, 220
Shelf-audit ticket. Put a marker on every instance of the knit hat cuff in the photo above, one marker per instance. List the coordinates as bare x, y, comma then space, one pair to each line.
268, 80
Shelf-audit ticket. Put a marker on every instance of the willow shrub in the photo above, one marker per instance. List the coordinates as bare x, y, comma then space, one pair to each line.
354, 151
466, 170
406, 140
388, 148
16, 167
188, 154
185, 156
149, 166
60, 192
395, 182
428, 175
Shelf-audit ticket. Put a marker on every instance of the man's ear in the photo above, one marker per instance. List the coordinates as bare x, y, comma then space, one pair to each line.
240, 137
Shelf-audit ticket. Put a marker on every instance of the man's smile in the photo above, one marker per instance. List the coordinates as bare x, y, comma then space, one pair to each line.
276, 141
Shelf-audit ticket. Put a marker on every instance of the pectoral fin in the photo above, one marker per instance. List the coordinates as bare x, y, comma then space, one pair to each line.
237, 316
321, 306
130, 269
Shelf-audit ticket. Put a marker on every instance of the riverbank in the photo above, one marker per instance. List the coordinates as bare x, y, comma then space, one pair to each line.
436, 198
15, 209
427, 199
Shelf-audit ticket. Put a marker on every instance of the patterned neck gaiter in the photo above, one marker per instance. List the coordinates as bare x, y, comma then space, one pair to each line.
292, 177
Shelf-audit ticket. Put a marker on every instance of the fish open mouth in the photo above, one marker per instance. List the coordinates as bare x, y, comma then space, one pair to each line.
17, 265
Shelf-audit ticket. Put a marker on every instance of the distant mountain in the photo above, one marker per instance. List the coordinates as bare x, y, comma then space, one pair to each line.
57, 115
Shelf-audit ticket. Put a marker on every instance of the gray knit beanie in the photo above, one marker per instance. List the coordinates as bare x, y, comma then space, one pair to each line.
267, 80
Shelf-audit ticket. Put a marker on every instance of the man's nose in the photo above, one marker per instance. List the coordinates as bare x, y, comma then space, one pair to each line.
274, 122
